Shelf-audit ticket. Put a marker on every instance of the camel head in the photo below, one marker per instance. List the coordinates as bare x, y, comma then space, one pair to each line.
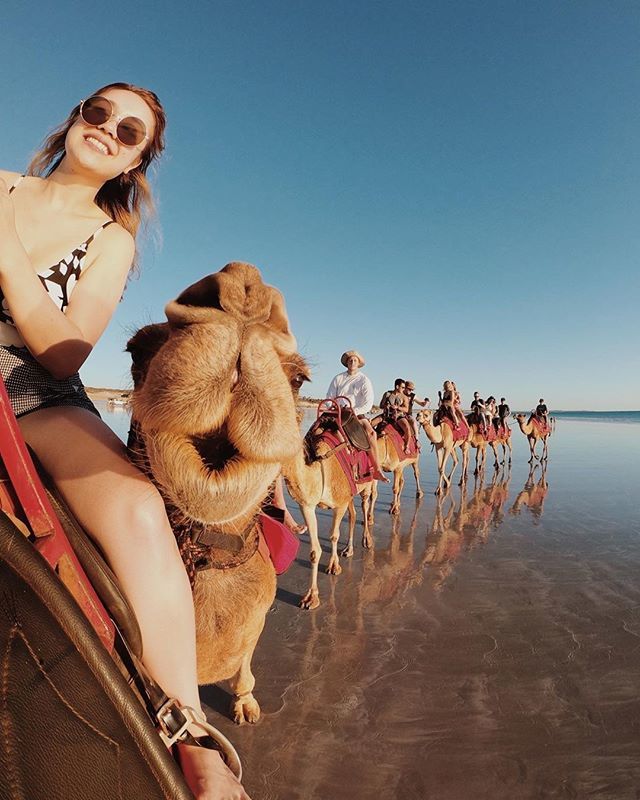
424, 417
214, 398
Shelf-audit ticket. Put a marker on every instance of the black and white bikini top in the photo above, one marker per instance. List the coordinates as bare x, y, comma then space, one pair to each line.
60, 279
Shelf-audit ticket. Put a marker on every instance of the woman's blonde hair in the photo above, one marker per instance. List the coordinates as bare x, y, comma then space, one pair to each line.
126, 198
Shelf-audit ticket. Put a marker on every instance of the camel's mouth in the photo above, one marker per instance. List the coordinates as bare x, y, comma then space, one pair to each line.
215, 450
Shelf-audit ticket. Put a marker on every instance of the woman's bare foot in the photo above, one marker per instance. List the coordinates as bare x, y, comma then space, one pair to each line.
290, 522
207, 775
378, 475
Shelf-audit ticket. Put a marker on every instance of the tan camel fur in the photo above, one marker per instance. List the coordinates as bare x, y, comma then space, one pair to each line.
389, 462
441, 437
480, 444
315, 478
214, 403
532, 432
504, 440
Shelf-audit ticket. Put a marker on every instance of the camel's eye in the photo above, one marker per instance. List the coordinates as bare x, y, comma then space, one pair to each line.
298, 379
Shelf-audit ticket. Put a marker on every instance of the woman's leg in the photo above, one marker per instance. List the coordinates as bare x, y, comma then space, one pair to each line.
280, 502
124, 513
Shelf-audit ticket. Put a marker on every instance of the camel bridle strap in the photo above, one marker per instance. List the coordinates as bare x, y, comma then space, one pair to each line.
201, 546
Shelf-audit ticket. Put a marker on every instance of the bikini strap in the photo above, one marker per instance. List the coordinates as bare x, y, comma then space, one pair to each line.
15, 183
95, 234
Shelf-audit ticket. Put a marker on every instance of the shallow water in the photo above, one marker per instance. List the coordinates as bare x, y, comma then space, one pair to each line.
489, 646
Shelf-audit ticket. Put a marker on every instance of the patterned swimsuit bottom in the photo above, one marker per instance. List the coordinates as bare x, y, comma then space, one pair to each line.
31, 387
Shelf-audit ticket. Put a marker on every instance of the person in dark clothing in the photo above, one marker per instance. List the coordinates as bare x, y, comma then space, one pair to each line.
503, 412
542, 412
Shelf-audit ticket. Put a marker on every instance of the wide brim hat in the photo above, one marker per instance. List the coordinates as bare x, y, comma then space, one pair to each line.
349, 354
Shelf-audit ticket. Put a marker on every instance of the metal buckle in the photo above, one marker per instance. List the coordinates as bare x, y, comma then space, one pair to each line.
170, 715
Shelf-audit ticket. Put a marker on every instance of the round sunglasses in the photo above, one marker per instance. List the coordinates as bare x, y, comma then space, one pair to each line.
96, 110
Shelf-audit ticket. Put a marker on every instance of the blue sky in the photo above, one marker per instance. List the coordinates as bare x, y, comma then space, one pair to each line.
452, 188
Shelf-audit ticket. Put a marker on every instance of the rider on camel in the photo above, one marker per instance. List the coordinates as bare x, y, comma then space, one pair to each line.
542, 412
503, 413
479, 408
410, 391
450, 403
355, 386
395, 407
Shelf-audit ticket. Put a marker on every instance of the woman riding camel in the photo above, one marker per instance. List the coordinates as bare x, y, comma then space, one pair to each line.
450, 403
67, 245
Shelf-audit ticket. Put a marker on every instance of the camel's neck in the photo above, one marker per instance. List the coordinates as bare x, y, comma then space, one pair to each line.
434, 433
525, 427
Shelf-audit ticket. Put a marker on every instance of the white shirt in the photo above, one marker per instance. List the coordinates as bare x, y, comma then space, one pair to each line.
358, 388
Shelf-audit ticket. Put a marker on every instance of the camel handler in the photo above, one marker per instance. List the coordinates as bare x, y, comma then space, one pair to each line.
410, 391
355, 385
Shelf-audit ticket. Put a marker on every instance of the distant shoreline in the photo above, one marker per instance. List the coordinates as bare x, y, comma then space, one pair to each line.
101, 393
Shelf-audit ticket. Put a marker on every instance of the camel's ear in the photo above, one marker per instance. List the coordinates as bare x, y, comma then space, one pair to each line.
239, 291
143, 346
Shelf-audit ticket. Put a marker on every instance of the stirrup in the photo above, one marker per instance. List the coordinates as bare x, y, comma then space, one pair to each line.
174, 720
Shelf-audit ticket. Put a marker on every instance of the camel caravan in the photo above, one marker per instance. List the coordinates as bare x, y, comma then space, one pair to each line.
217, 440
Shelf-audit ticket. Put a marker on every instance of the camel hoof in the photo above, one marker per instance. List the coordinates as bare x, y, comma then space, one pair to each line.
419, 493
347, 552
334, 568
367, 543
311, 600
245, 709
394, 510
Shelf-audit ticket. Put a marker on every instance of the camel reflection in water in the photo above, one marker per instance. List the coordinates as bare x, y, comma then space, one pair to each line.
533, 493
459, 526
356, 670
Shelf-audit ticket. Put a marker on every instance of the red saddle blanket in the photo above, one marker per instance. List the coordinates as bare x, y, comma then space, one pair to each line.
460, 431
542, 428
356, 464
398, 441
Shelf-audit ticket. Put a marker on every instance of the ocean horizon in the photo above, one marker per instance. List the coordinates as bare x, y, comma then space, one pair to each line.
598, 416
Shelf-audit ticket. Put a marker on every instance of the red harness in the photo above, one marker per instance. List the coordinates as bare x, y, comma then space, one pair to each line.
398, 441
542, 428
460, 431
356, 464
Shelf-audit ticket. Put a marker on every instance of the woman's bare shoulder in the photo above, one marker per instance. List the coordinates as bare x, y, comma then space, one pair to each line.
9, 177
114, 246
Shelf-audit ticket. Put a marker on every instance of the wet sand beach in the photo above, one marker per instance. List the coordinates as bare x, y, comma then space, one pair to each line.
488, 647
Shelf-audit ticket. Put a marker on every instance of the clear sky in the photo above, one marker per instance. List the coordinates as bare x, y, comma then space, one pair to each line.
453, 188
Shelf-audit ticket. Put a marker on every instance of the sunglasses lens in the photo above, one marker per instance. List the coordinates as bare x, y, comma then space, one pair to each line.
131, 131
96, 110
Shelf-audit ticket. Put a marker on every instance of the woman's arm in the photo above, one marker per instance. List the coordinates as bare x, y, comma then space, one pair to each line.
62, 342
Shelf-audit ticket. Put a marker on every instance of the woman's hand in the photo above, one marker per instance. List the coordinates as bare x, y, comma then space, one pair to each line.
208, 776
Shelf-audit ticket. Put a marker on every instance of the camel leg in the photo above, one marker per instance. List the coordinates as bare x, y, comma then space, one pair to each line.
312, 597
440, 457
545, 451
398, 482
334, 567
367, 523
454, 457
495, 455
477, 469
244, 706
508, 443
347, 552
416, 474
465, 465
373, 497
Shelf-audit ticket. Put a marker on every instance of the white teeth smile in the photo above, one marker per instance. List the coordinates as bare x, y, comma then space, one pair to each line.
98, 145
